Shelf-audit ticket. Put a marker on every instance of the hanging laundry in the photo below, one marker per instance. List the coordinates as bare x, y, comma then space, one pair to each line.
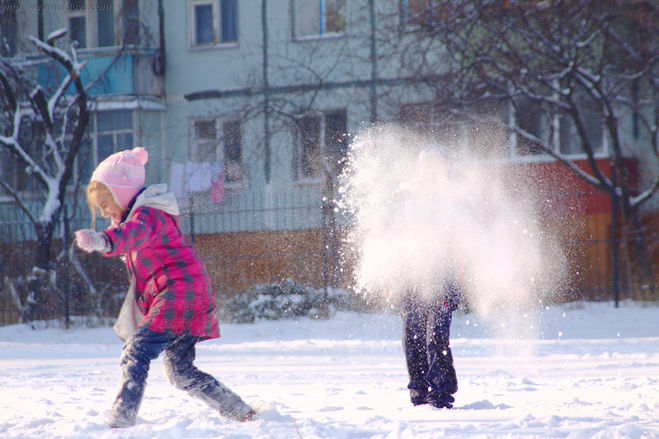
217, 182
198, 176
177, 180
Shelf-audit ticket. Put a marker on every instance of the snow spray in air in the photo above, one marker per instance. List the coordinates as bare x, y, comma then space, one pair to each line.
421, 213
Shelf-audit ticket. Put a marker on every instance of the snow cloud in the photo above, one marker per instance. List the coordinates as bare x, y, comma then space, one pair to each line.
423, 213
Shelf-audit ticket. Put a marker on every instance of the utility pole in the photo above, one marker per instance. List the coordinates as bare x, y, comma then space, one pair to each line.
374, 66
266, 92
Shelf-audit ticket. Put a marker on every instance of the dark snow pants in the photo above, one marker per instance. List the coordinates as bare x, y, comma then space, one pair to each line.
426, 330
179, 354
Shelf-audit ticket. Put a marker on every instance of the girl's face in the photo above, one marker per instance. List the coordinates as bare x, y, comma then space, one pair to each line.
106, 204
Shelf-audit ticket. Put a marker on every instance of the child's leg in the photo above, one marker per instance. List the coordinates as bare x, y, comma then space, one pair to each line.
178, 359
441, 373
136, 357
414, 345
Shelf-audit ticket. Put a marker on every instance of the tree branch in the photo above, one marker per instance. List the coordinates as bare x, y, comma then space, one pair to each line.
645, 195
17, 199
9, 92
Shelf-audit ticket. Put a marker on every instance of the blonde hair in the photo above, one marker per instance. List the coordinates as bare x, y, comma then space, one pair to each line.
92, 187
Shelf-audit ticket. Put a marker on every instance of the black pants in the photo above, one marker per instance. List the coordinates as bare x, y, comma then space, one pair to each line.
426, 330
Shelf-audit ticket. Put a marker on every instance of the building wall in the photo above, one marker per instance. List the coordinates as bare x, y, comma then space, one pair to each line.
282, 210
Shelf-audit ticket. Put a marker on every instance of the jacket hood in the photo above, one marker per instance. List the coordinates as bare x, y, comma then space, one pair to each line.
158, 197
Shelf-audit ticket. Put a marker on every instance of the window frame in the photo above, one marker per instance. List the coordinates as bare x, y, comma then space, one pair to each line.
411, 21
90, 15
220, 149
554, 125
14, 171
535, 115
92, 138
432, 127
323, 146
114, 132
8, 33
297, 35
216, 13
548, 124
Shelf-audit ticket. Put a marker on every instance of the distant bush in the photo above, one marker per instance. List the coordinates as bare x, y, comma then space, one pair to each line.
285, 300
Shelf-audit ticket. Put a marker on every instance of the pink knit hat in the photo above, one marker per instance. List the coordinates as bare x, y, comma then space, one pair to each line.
123, 174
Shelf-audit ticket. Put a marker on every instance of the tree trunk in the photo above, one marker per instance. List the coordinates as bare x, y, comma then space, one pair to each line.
42, 286
638, 256
44, 245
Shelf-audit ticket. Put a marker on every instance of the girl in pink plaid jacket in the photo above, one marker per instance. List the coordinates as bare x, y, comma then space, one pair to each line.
170, 305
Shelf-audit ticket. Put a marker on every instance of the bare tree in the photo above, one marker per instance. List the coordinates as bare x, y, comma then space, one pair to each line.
587, 69
43, 130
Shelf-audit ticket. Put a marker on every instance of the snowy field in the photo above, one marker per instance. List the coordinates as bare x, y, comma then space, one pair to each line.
592, 373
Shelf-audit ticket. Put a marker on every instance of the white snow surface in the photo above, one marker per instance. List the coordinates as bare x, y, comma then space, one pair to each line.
592, 373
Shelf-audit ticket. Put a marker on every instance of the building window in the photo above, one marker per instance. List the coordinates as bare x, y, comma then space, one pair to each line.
436, 126
233, 155
213, 22
112, 132
569, 139
412, 11
206, 141
130, 21
92, 23
529, 116
468, 135
220, 140
8, 28
418, 13
104, 23
556, 130
321, 145
13, 170
77, 22
315, 18
309, 134
84, 162
458, 133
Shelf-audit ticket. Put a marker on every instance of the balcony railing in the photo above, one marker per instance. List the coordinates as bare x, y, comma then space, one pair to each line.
108, 71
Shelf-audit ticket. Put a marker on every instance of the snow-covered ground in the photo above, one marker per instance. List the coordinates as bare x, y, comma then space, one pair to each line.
593, 372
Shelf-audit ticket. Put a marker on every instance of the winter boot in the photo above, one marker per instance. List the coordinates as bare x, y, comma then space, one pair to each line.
126, 405
122, 415
418, 393
441, 400
248, 417
120, 420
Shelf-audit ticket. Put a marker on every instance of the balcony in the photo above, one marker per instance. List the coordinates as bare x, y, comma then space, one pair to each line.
114, 71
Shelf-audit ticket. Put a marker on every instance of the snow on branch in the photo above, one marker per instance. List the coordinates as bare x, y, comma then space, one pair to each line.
604, 184
13, 144
54, 52
52, 102
70, 62
59, 33
645, 195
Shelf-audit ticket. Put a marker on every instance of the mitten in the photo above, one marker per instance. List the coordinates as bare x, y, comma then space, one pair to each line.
90, 240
